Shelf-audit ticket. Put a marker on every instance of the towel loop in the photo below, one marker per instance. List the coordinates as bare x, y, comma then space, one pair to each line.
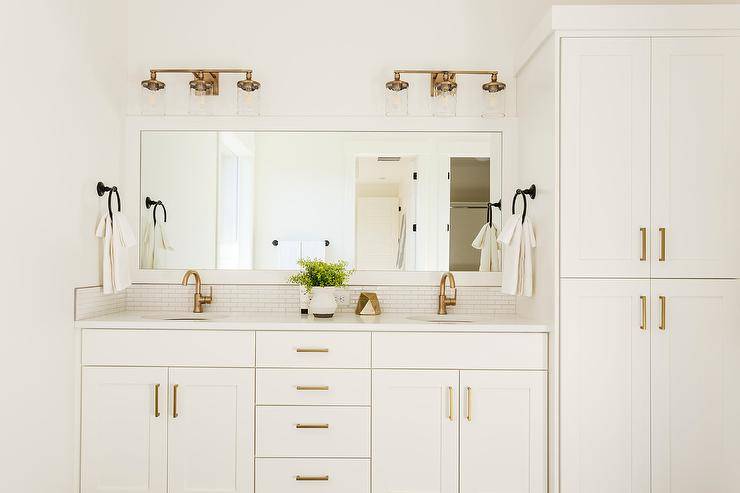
489, 212
531, 191
101, 189
276, 243
156, 203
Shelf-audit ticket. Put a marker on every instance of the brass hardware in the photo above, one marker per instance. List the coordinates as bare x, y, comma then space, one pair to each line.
663, 302
312, 387
494, 85
205, 80
156, 401
174, 401
643, 257
152, 83
469, 414
312, 426
444, 302
248, 84
397, 84
662, 245
452, 402
312, 478
444, 80
198, 299
312, 350
643, 325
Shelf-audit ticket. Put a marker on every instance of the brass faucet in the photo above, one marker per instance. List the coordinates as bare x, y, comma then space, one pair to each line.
198, 299
444, 301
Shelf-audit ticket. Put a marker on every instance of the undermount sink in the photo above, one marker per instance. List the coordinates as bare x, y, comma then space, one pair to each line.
443, 319
182, 318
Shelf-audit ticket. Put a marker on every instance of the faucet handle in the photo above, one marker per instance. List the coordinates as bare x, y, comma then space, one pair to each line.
207, 299
453, 299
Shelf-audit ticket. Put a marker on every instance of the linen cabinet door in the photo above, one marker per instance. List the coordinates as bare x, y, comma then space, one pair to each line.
696, 157
124, 430
503, 432
415, 431
695, 389
605, 386
605, 157
211, 438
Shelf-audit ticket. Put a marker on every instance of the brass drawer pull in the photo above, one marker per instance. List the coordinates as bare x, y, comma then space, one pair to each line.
452, 402
643, 257
312, 478
312, 387
643, 324
470, 403
156, 401
662, 245
312, 350
663, 302
312, 426
174, 401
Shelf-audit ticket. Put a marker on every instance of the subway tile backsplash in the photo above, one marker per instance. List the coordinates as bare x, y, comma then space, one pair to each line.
284, 298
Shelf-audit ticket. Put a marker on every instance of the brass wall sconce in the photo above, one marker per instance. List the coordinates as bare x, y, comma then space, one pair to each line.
205, 84
443, 92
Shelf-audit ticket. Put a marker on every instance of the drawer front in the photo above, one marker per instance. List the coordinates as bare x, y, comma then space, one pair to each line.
503, 351
167, 348
318, 475
313, 432
313, 349
313, 387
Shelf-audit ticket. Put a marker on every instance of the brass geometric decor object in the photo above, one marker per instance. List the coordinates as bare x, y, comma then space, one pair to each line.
368, 304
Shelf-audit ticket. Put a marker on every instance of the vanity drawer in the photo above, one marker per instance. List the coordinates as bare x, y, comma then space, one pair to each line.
313, 349
313, 431
167, 348
318, 475
504, 351
313, 387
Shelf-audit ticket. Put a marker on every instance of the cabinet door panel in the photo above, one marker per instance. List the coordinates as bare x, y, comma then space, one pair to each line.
696, 395
124, 443
415, 443
211, 441
696, 156
503, 432
605, 156
605, 386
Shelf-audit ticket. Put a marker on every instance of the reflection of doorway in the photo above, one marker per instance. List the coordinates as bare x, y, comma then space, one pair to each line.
470, 193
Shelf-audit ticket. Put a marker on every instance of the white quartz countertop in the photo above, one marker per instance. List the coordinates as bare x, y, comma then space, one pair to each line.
288, 321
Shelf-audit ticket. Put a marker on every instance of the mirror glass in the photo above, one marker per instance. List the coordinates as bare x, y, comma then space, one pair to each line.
408, 201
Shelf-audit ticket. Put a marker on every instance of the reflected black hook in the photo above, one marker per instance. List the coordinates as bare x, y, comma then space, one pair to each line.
156, 203
531, 191
489, 212
101, 189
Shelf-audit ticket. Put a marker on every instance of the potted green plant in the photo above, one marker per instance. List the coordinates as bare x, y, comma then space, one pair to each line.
320, 279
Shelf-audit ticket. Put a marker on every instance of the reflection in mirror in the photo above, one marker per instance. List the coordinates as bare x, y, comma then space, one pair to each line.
407, 201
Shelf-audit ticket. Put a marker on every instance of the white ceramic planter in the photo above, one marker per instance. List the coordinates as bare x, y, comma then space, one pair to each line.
323, 304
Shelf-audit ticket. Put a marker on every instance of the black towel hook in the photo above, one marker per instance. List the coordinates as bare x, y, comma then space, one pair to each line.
101, 189
489, 213
531, 191
156, 203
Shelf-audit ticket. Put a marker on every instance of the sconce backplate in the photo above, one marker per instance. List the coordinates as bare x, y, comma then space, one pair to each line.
437, 78
211, 77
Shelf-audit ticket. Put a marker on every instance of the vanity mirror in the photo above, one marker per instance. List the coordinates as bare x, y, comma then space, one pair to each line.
260, 200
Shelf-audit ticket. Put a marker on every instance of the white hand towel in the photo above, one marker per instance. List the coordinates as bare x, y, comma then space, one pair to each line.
118, 237
288, 254
401, 253
154, 244
313, 249
489, 248
518, 241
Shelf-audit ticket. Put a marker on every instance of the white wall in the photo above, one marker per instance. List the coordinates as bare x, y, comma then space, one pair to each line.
61, 132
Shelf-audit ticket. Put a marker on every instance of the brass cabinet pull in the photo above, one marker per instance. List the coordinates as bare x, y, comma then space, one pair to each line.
312, 478
663, 301
312, 350
662, 245
452, 403
469, 413
312, 426
174, 401
643, 324
156, 401
312, 387
643, 257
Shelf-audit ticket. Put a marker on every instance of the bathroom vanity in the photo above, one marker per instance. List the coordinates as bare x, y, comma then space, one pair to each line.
276, 403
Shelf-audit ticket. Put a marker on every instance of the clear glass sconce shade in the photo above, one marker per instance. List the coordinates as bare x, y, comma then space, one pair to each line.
494, 104
247, 102
396, 102
444, 103
199, 102
152, 102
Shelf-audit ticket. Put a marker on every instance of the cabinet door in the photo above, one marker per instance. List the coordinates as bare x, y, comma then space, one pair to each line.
503, 433
605, 157
696, 157
605, 386
695, 389
124, 441
211, 438
415, 431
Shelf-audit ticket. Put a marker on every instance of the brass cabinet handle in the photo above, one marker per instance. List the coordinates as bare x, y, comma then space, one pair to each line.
469, 413
312, 350
452, 403
174, 401
312, 387
312, 478
312, 426
662, 245
663, 302
643, 324
643, 232
156, 401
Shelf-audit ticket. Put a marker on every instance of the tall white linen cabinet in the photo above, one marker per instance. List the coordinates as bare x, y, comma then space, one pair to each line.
640, 106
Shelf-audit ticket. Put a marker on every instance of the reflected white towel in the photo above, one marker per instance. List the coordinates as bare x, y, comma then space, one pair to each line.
313, 250
154, 244
518, 241
118, 237
289, 253
489, 248
401, 254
